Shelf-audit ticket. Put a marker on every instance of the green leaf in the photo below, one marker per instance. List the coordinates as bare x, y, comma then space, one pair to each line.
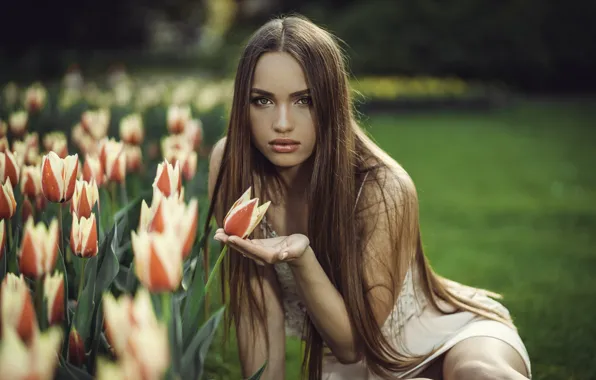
175, 331
96, 334
257, 375
124, 210
66, 323
3, 263
104, 207
68, 371
131, 279
107, 271
86, 302
193, 359
192, 305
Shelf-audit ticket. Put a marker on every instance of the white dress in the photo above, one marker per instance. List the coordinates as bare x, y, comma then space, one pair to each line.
414, 322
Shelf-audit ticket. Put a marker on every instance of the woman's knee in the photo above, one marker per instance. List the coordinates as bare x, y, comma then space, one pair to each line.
480, 370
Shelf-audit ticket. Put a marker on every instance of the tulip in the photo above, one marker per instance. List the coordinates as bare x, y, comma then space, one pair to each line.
8, 204
76, 347
25, 154
187, 159
17, 308
113, 158
18, 122
4, 145
37, 361
83, 236
35, 97
178, 116
92, 170
174, 214
194, 132
49, 140
53, 287
134, 157
175, 142
131, 129
84, 198
244, 215
9, 168
168, 179
150, 348
58, 177
39, 249
60, 147
125, 313
31, 181
96, 123
158, 259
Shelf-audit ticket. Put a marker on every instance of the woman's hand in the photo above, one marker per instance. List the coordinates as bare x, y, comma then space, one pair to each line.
270, 251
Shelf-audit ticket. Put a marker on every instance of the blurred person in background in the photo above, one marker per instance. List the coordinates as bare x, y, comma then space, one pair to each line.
337, 260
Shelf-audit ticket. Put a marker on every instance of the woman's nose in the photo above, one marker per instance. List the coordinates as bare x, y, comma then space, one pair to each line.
283, 121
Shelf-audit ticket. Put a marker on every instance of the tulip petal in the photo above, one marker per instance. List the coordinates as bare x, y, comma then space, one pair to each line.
71, 169
240, 219
52, 183
28, 255
8, 204
244, 198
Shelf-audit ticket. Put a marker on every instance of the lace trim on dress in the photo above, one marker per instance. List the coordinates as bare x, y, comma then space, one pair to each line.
411, 300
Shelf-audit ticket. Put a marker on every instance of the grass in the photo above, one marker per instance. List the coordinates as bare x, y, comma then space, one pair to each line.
508, 202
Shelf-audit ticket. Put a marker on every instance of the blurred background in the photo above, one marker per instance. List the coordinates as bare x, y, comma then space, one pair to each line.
489, 105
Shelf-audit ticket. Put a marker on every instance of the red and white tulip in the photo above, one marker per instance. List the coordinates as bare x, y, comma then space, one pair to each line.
17, 309
18, 122
39, 249
113, 158
35, 97
84, 198
9, 168
134, 157
83, 236
168, 179
244, 215
53, 288
131, 129
8, 204
35, 361
31, 181
158, 259
58, 177
178, 116
92, 170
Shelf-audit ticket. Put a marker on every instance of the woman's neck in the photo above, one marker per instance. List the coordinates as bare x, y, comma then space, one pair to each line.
295, 179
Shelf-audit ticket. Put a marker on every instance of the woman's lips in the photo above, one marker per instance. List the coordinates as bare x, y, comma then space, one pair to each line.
284, 145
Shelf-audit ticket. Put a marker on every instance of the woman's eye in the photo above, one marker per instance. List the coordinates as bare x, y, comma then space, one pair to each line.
261, 101
306, 100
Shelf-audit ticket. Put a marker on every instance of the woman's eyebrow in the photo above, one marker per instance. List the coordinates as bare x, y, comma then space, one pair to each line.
292, 95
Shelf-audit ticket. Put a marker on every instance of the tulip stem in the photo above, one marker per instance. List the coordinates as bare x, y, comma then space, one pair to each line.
82, 279
67, 258
217, 264
39, 300
165, 307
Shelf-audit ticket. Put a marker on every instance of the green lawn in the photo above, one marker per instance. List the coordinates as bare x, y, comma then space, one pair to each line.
508, 202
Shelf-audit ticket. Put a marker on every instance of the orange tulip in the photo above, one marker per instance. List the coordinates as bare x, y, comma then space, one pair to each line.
83, 236
8, 205
168, 179
174, 214
39, 249
18, 122
9, 168
178, 116
17, 308
53, 287
92, 169
131, 129
187, 159
37, 361
244, 215
31, 181
113, 159
158, 259
134, 157
84, 198
58, 177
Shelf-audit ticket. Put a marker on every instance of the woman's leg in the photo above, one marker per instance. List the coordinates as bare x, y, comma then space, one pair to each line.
483, 358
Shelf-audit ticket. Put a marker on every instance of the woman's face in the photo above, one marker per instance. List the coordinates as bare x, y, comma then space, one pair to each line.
281, 119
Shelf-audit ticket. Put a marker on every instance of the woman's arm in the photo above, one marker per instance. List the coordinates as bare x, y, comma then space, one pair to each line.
325, 305
252, 343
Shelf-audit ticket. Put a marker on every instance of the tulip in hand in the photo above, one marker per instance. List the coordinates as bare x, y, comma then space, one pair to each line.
244, 215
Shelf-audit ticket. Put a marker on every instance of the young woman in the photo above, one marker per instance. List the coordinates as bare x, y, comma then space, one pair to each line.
337, 260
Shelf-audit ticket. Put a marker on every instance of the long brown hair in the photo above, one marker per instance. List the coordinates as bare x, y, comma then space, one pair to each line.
344, 157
